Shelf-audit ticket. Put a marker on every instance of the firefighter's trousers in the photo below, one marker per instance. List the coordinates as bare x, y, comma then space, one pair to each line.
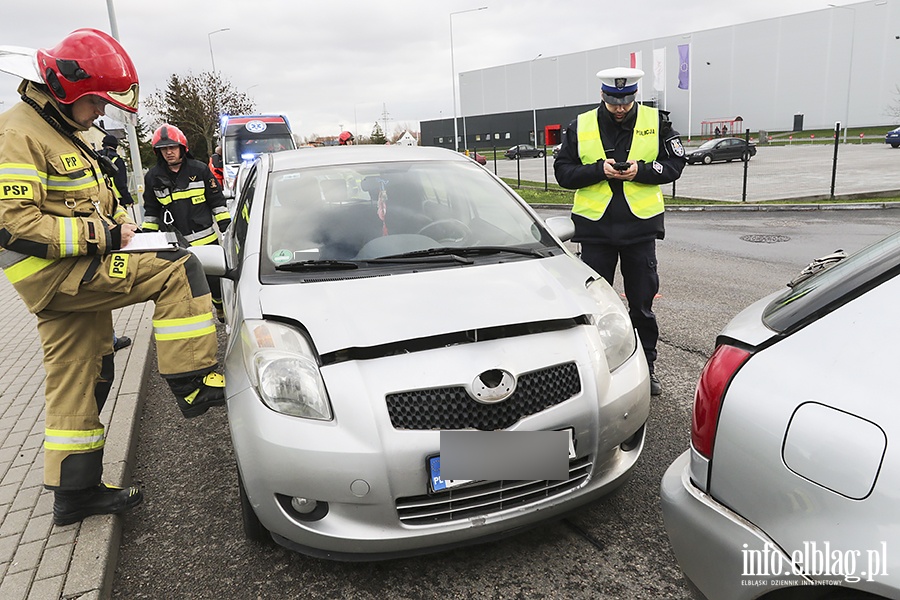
76, 334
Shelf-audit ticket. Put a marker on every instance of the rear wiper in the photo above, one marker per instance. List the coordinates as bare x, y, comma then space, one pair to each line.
459, 253
318, 265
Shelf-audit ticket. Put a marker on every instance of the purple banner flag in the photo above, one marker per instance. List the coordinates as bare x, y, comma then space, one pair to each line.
684, 69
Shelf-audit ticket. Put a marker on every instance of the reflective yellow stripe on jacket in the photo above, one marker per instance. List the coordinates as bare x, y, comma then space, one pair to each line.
644, 200
26, 267
72, 440
184, 328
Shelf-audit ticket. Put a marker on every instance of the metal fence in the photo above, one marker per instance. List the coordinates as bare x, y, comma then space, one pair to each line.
808, 169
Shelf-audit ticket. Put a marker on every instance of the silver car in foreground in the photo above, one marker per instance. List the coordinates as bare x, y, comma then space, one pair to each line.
381, 298
791, 486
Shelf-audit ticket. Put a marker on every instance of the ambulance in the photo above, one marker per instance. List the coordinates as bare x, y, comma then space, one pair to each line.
244, 137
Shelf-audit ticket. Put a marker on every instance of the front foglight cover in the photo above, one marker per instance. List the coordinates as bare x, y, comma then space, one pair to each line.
613, 324
282, 367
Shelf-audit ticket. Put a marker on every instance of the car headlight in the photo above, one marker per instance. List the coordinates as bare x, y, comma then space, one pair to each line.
613, 324
282, 366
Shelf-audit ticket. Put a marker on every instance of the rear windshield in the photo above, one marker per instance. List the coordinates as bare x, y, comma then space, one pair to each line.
834, 287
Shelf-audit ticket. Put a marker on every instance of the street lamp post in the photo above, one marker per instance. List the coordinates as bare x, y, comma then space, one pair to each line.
533, 106
134, 151
849, 67
209, 38
453, 69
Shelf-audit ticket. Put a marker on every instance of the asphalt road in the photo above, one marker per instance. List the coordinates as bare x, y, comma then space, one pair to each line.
186, 540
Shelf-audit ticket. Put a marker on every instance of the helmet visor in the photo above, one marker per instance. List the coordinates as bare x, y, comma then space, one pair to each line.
116, 113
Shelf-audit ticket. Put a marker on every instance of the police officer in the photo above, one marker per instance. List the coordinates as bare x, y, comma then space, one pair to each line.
61, 228
616, 157
181, 194
120, 180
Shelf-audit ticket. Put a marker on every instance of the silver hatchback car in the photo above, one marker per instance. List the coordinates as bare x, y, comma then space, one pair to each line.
790, 487
380, 299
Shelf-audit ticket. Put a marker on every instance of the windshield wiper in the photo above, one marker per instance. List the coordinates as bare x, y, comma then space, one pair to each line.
318, 265
459, 253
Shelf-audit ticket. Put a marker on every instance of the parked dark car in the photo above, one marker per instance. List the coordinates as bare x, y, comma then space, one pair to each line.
524, 151
727, 149
892, 137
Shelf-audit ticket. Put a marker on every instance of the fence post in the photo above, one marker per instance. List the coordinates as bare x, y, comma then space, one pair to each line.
837, 129
495, 160
545, 168
746, 164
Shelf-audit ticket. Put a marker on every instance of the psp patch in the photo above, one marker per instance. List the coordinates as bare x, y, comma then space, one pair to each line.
21, 190
657, 167
677, 148
118, 265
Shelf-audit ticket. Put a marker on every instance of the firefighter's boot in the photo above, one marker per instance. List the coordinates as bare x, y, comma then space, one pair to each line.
74, 505
220, 309
196, 396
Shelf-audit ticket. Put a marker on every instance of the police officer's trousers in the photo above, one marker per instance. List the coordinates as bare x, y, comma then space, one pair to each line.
76, 334
641, 283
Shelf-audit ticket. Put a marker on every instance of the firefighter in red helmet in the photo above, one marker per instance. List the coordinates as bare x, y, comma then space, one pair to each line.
181, 194
62, 231
346, 138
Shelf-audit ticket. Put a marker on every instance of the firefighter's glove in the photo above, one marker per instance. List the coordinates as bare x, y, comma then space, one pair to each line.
223, 225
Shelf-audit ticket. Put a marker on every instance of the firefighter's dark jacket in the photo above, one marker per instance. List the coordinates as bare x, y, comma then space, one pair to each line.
619, 226
187, 201
57, 209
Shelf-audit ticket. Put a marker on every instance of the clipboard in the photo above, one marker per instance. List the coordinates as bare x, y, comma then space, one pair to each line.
152, 241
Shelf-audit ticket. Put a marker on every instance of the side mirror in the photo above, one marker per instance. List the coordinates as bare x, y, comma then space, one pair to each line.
212, 258
561, 227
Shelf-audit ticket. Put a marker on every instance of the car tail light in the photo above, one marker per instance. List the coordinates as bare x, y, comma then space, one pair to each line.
720, 369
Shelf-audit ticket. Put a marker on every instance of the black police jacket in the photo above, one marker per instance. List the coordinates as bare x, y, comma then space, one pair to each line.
619, 226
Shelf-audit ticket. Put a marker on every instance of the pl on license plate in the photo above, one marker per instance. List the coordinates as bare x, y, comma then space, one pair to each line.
438, 485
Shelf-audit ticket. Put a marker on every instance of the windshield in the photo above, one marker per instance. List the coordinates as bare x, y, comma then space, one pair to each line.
374, 212
708, 145
240, 148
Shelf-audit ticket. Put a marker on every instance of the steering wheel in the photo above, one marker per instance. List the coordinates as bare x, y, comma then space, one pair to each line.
446, 231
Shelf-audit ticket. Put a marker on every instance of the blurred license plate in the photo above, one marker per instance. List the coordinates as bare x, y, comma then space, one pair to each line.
436, 484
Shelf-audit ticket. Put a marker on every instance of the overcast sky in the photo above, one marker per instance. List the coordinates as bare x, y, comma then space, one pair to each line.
339, 64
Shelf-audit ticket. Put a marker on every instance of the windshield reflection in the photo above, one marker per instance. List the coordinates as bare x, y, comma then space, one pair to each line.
368, 211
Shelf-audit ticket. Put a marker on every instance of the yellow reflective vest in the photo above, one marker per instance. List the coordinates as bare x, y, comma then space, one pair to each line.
645, 200
56, 205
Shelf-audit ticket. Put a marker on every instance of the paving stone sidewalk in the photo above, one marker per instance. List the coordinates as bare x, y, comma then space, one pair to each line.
40, 561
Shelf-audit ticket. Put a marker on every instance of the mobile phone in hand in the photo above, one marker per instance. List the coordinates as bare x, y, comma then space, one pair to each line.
621, 166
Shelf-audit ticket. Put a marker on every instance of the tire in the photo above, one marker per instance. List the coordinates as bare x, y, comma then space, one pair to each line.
707, 159
745, 156
895, 145
254, 530
540, 154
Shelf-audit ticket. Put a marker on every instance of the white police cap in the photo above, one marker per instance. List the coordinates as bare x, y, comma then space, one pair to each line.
619, 84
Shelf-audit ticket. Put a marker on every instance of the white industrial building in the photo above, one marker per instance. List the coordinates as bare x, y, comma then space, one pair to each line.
837, 64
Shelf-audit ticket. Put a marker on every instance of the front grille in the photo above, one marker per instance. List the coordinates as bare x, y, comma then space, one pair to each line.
453, 408
487, 497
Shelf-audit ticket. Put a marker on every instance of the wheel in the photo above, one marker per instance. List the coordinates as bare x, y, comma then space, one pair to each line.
746, 156
707, 158
445, 231
254, 530
540, 154
895, 145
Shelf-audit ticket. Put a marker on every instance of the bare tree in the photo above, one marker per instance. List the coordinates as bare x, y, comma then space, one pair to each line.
194, 103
